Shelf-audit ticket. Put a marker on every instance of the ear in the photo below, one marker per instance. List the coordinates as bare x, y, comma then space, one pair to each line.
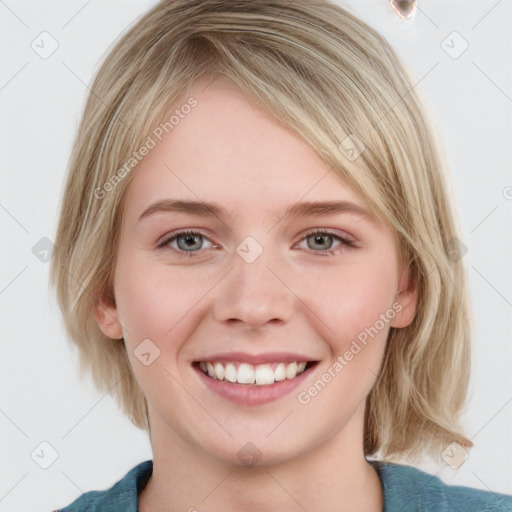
407, 297
106, 316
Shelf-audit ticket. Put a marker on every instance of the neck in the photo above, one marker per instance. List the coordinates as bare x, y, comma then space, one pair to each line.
332, 476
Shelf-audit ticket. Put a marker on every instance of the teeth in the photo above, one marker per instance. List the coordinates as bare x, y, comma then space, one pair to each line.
219, 371
280, 372
291, 370
261, 374
264, 374
245, 374
230, 373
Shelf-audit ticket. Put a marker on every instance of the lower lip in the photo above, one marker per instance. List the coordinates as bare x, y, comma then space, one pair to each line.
252, 394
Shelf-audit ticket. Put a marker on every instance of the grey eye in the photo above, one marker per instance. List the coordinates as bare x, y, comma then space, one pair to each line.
189, 241
320, 239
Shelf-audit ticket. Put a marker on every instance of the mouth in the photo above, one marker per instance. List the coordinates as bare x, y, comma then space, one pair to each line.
254, 379
265, 374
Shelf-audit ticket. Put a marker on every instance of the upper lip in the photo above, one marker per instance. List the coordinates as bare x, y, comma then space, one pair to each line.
266, 357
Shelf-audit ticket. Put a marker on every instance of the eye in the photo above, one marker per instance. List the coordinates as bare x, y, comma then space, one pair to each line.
324, 240
188, 242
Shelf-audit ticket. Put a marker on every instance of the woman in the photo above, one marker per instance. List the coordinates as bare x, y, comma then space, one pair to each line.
257, 244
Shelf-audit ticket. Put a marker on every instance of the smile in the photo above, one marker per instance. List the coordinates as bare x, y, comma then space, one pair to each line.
254, 379
259, 375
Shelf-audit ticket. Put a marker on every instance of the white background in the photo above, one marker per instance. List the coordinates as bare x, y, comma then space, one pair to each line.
41, 396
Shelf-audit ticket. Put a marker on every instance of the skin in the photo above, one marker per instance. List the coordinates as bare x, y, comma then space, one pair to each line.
291, 298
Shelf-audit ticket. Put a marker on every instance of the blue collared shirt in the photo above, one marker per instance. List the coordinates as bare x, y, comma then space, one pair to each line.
405, 489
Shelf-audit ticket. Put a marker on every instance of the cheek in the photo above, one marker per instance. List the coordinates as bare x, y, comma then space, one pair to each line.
351, 301
154, 301
157, 304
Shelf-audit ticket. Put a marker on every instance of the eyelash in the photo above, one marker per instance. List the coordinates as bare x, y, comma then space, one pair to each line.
345, 242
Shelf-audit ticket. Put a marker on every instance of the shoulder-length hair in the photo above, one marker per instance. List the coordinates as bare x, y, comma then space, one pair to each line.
337, 83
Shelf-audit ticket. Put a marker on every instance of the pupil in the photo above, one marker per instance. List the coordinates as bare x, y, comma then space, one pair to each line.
189, 241
320, 238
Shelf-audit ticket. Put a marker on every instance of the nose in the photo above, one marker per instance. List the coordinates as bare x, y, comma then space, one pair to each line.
254, 294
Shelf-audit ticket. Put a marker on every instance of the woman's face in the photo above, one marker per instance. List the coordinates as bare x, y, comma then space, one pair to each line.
252, 290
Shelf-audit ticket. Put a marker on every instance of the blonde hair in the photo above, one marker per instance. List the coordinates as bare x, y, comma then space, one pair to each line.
338, 84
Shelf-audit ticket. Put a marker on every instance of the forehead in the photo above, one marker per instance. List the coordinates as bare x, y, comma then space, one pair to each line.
225, 150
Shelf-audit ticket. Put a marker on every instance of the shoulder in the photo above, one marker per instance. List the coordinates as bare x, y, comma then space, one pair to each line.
123, 495
407, 488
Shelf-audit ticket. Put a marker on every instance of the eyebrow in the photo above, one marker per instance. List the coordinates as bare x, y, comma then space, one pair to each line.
304, 209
